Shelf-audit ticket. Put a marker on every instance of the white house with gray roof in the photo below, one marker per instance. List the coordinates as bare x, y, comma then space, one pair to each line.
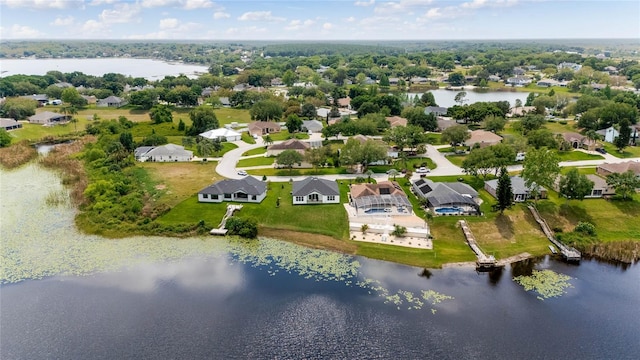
247, 189
313, 190
520, 190
164, 153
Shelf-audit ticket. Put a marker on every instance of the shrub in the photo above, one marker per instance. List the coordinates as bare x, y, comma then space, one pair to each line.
585, 228
245, 228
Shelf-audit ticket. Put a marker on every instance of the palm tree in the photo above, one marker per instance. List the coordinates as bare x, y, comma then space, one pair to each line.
394, 173
267, 140
70, 110
369, 173
592, 135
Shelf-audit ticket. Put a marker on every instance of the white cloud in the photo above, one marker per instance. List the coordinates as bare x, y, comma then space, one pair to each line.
93, 27
62, 21
299, 24
364, 3
327, 26
221, 15
40, 4
407, 6
350, 19
184, 4
260, 16
102, 2
169, 23
121, 13
20, 32
477, 4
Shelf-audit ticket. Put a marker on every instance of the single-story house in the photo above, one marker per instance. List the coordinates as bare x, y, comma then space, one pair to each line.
48, 118
607, 169
396, 121
313, 126
91, 99
247, 189
600, 187
383, 198
551, 82
438, 110
344, 103
224, 101
111, 101
483, 138
569, 65
579, 141
494, 78
313, 190
164, 153
520, 111
447, 198
276, 82
445, 124
42, 99
291, 144
609, 134
260, 128
520, 191
418, 80
222, 134
519, 80
9, 124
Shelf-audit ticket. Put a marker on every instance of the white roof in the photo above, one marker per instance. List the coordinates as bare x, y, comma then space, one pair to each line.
218, 133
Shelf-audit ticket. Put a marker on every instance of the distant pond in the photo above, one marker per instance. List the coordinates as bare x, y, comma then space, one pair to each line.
445, 98
67, 295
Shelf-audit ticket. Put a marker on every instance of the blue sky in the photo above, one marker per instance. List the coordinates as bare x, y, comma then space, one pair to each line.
318, 20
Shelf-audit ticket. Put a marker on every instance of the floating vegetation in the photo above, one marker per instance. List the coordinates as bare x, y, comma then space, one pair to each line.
39, 239
546, 283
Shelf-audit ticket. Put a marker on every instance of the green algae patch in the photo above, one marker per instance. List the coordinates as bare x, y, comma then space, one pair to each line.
546, 283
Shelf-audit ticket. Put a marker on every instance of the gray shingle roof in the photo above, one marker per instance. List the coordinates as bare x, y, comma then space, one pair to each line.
313, 184
517, 185
247, 185
169, 149
443, 194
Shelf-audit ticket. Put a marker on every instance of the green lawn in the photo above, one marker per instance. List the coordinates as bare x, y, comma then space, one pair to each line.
227, 116
34, 132
284, 135
412, 164
256, 151
577, 156
256, 161
297, 172
248, 138
325, 219
456, 159
628, 152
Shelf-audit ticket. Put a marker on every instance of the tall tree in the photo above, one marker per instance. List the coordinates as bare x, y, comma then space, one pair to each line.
623, 138
316, 156
203, 118
625, 183
266, 110
504, 192
288, 158
540, 168
575, 185
460, 97
293, 124
455, 135
427, 99
160, 114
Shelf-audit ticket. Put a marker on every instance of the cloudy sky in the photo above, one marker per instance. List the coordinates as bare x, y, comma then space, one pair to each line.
318, 19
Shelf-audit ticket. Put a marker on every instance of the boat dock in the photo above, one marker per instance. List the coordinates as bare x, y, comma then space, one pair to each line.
483, 260
220, 230
569, 253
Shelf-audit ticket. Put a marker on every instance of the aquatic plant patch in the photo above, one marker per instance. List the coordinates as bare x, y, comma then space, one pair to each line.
546, 283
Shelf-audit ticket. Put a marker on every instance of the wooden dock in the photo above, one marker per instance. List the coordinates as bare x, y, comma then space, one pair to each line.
483, 260
221, 228
569, 253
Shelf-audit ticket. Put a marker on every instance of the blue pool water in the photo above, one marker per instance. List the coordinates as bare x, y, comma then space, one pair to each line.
451, 210
375, 211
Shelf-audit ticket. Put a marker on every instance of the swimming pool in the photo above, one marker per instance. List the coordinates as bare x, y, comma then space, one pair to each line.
376, 211
451, 210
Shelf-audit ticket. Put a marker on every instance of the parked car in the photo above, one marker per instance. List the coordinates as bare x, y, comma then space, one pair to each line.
422, 170
601, 150
242, 173
520, 156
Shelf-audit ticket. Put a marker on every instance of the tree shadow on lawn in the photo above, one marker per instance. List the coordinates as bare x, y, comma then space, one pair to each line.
574, 214
629, 207
505, 226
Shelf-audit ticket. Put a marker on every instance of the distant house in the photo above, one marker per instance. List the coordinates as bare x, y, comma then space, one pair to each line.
276, 82
395, 121
63, 85
445, 124
609, 134
247, 189
48, 118
483, 138
91, 99
447, 198
600, 187
569, 65
9, 124
419, 80
438, 110
385, 197
344, 103
224, 101
520, 191
521, 111
494, 78
260, 128
222, 134
111, 101
518, 71
392, 151
519, 80
291, 144
313, 190
607, 169
164, 153
42, 99
313, 126
579, 141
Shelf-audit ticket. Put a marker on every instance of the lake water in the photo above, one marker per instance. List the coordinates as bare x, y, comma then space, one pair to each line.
65, 295
146, 68
446, 98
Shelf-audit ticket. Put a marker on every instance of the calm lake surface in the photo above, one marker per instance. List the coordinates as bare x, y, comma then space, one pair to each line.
66, 295
146, 68
446, 98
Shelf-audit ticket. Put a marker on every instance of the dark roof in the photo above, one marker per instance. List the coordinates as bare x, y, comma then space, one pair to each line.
314, 184
139, 151
291, 144
518, 185
247, 185
442, 194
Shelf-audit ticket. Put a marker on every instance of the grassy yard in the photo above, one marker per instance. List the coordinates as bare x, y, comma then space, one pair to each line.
412, 164
285, 135
298, 172
248, 138
34, 132
227, 116
179, 181
260, 150
256, 161
326, 219
628, 152
577, 156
